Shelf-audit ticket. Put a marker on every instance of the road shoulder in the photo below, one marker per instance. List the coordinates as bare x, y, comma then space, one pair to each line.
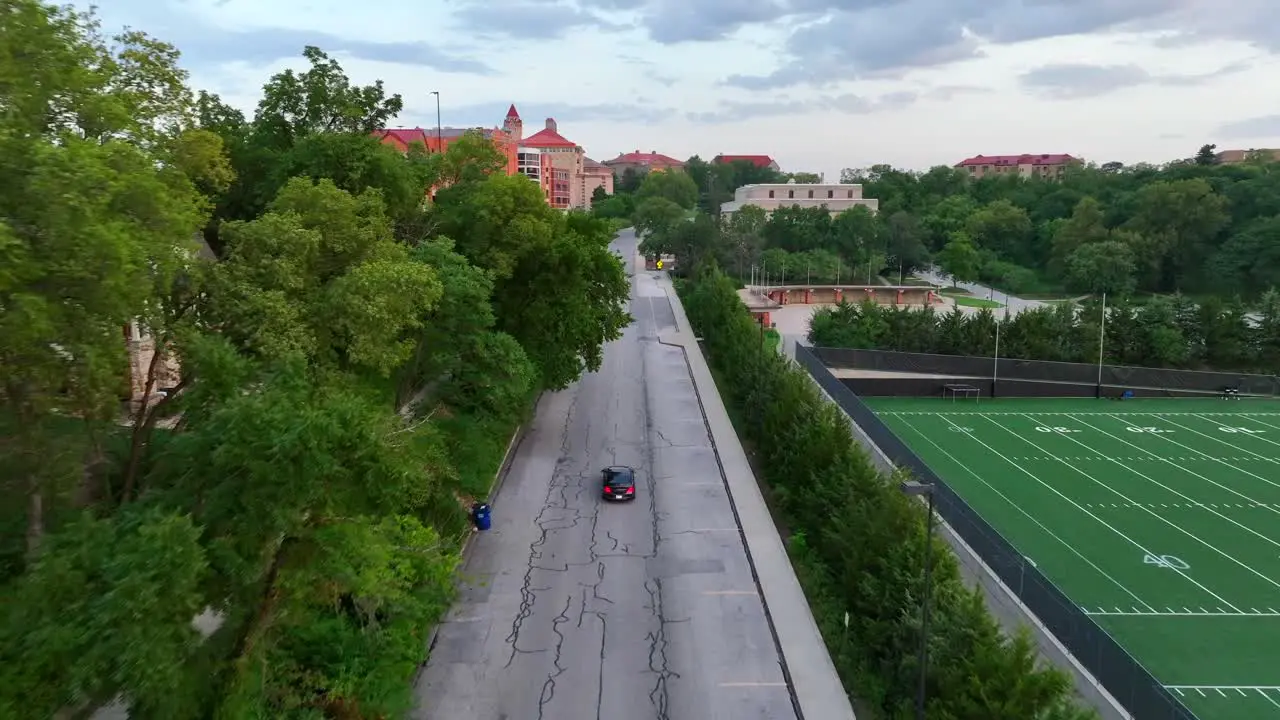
817, 686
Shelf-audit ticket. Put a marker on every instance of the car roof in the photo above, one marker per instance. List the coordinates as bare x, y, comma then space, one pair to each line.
619, 471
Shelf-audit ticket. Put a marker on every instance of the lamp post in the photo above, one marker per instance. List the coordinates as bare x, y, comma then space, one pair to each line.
912, 488
439, 128
760, 381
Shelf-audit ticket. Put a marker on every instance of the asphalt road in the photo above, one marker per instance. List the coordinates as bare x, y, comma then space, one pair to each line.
572, 608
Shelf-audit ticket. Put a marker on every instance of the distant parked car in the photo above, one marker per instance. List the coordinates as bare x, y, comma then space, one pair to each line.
619, 483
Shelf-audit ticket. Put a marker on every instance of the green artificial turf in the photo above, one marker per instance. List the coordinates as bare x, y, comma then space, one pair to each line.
1160, 518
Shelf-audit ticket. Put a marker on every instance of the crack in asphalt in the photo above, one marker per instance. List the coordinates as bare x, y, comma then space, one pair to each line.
549, 687
659, 696
562, 511
528, 593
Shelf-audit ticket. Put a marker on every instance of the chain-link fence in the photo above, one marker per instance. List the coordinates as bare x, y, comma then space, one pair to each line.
1111, 376
1114, 668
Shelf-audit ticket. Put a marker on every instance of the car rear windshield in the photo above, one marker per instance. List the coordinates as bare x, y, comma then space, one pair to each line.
617, 477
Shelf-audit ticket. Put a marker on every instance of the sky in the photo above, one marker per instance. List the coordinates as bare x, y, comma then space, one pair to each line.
819, 85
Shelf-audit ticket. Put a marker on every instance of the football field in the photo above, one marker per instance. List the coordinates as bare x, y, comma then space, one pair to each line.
1159, 518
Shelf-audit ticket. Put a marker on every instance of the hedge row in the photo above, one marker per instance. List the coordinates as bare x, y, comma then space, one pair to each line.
858, 544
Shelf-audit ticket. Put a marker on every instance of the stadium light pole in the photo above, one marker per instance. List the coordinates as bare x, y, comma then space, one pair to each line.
913, 488
1102, 338
995, 362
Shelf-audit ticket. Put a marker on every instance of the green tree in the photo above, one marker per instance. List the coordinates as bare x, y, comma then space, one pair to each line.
305, 495
797, 229
456, 324
356, 163
949, 216
96, 216
1177, 221
321, 99
321, 275
1268, 332
804, 178
1250, 259
1003, 228
495, 222
671, 185
744, 236
295, 106
1206, 156
1101, 267
905, 242
854, 234
628, 182
70, 636
1085, 227
563, 328
959, 259
697, 241
655, 221
470, 158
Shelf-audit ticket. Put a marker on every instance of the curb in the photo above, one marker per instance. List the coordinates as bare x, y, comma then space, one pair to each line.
817, 692
499, 479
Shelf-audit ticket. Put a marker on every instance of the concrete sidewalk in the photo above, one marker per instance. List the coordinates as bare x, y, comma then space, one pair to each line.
812, 674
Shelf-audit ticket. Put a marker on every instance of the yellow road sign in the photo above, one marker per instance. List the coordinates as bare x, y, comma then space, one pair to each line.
659, 264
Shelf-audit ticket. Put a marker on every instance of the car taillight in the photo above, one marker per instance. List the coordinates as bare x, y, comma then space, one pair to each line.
631, 491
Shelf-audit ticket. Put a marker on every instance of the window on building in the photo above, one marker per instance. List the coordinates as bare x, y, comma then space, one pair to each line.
791, 194
770, 193
810, 194
831, 193
850, 194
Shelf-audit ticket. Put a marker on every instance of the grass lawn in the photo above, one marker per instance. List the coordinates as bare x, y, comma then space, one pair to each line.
1159, 518
973, 302
915, 281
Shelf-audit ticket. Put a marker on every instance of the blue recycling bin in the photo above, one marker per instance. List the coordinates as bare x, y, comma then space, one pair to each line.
481, 514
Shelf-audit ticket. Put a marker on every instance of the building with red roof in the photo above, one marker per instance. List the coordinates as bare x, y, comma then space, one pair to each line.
643, 162
760, 161
574, 176
560, 166
1047, 166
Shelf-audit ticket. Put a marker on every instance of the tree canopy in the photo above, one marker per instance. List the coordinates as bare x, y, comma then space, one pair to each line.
1195, 226
353, 360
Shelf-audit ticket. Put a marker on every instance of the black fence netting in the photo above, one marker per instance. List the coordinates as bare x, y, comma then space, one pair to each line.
1043, 370
1122, 676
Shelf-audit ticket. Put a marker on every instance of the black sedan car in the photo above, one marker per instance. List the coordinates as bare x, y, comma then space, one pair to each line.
619, 483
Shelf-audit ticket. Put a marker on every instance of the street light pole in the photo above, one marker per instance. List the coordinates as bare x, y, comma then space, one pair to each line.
439, 128
912, 488
760, 382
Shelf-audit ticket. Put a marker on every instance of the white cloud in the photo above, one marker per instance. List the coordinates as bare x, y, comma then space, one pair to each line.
1131, 80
